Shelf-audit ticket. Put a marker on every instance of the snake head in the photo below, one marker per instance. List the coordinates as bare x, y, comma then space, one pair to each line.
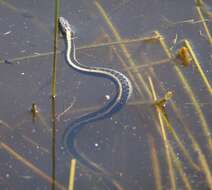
64, 25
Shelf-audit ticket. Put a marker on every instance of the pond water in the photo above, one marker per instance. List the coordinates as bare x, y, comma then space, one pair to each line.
153, 142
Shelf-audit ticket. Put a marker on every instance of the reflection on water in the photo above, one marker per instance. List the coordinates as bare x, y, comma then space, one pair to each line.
156, 141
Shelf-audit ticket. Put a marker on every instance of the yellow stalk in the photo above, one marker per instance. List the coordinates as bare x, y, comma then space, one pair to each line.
165, 140
72, 174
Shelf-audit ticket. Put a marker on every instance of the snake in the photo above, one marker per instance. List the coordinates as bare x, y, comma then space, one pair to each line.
122, 85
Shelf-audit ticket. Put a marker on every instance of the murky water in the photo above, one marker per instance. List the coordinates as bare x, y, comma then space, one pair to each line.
131, 145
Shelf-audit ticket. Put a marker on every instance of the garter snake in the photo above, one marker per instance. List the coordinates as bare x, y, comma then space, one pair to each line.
123, 92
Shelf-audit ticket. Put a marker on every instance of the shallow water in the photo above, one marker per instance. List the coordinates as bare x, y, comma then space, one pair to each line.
122, 144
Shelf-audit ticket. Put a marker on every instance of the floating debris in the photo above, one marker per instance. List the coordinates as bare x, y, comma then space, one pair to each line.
6, 33
107, 97
26, 177
162, 102
34, 110
184, 55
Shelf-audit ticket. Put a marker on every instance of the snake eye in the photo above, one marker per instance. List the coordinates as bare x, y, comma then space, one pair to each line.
64, 25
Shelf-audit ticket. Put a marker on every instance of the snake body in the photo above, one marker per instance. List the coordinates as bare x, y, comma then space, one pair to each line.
123, 92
